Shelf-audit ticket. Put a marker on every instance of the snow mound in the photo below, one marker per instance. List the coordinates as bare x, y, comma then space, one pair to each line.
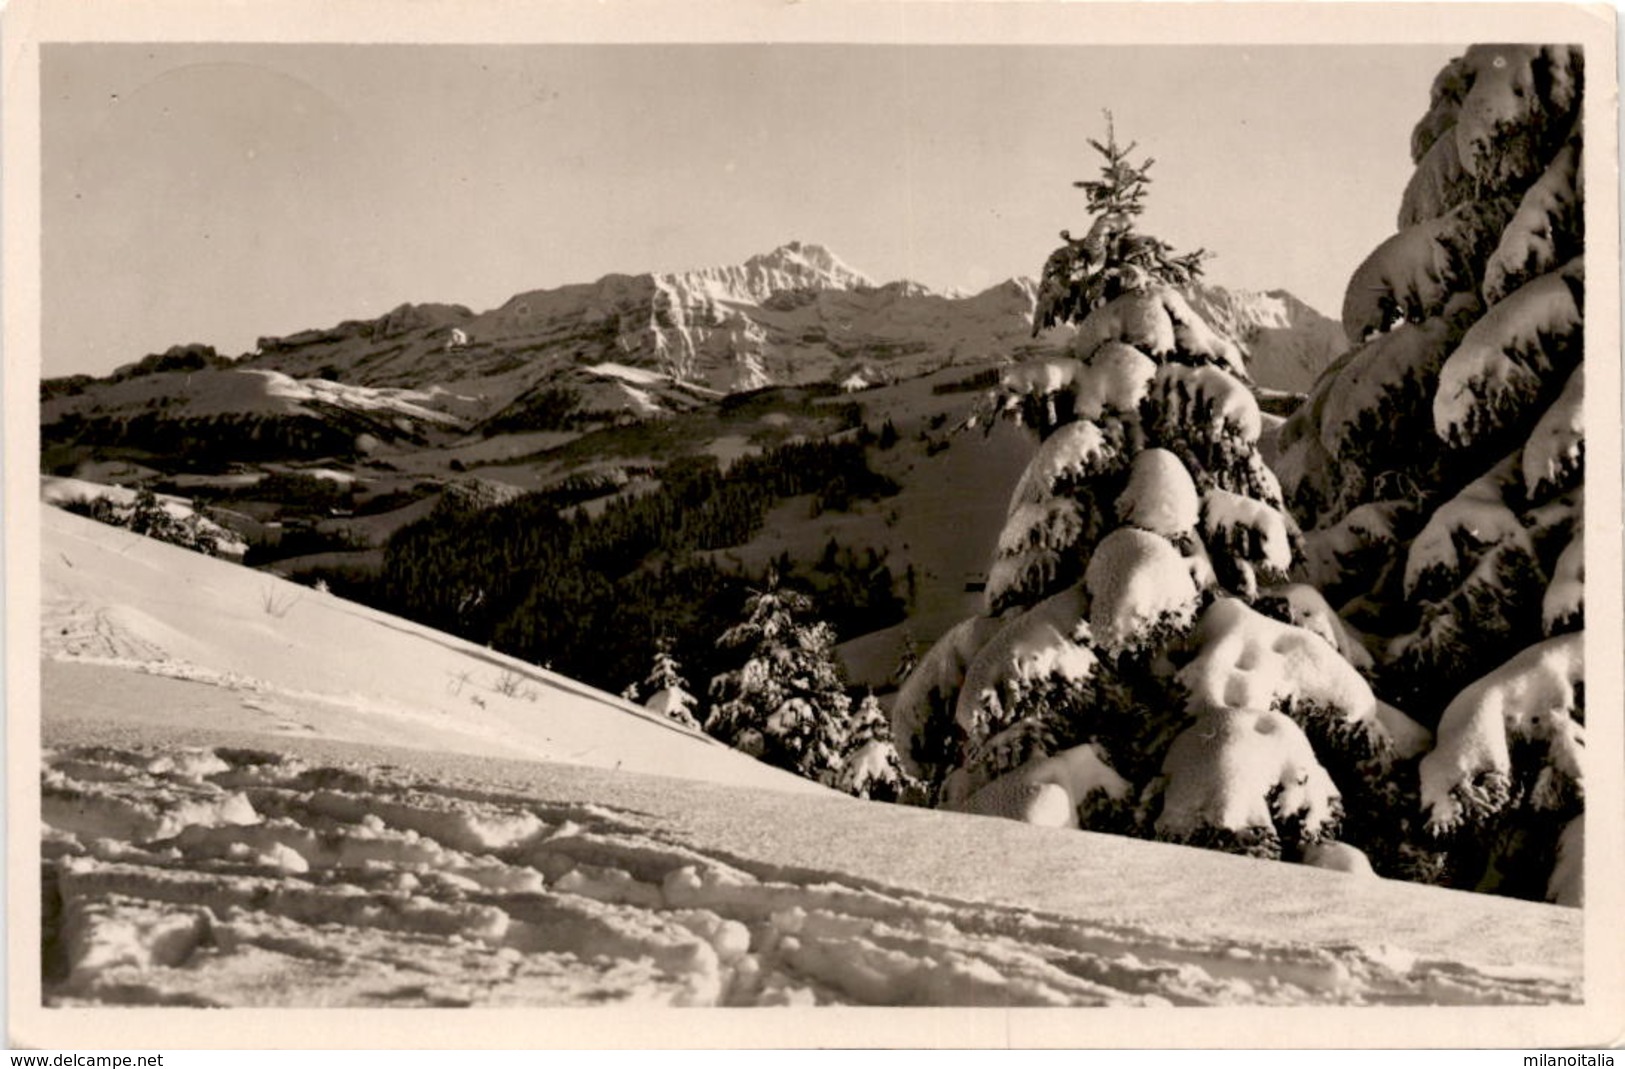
865, 767
1113, 381
1208, 397
1544, 232
1049, 791
1139, 319
1037, 378
1307, 608
1563, 606
1077, 451
1160, 496
1036, 541
1409, 277
1157, 320
1553, 453
1477, 517
1247, 774
1027, 649
1138, 583
1438, 184
1532, 699
1505, 357
1249, 661
932, 686
1332, 554
1365, 386
1250, 530
1338, 857
1512, 88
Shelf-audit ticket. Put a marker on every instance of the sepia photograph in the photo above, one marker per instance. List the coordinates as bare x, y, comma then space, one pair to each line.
974, 513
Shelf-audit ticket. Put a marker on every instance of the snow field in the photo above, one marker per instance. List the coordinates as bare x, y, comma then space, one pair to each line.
1247, 772
364, 886
300, 661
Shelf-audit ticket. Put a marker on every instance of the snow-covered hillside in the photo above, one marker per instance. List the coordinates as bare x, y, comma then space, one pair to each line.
293, 660
231, 819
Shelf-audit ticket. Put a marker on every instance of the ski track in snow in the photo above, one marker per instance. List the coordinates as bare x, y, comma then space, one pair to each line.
217, 877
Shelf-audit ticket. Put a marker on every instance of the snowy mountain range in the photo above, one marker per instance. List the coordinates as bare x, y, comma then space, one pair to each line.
795, 315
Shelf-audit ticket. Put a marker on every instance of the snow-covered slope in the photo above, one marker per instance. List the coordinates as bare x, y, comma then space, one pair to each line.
287, 659
256, 794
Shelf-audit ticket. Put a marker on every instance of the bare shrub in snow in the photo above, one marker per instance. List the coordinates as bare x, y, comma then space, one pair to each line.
277, 602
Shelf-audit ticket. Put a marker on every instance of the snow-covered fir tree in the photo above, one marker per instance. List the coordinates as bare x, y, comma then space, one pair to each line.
786, 704
1438, 468
666, 688
1143, 663
870, 767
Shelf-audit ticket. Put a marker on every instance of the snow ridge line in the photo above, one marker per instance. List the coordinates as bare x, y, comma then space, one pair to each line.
233, 876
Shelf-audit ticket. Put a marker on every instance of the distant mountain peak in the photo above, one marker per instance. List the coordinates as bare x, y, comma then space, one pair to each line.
795, 265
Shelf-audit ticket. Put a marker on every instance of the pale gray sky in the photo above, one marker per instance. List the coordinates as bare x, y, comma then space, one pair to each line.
215, 193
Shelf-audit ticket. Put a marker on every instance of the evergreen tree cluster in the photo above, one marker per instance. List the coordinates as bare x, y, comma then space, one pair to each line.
785, 699
1165, 651
147, 516
1438, 466
591, 593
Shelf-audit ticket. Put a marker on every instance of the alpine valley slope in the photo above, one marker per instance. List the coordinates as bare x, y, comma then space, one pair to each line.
258, 794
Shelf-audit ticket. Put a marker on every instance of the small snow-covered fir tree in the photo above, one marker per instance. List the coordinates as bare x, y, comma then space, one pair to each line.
786, 704
666, 688
1438, 467
1142, 664
870, 767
